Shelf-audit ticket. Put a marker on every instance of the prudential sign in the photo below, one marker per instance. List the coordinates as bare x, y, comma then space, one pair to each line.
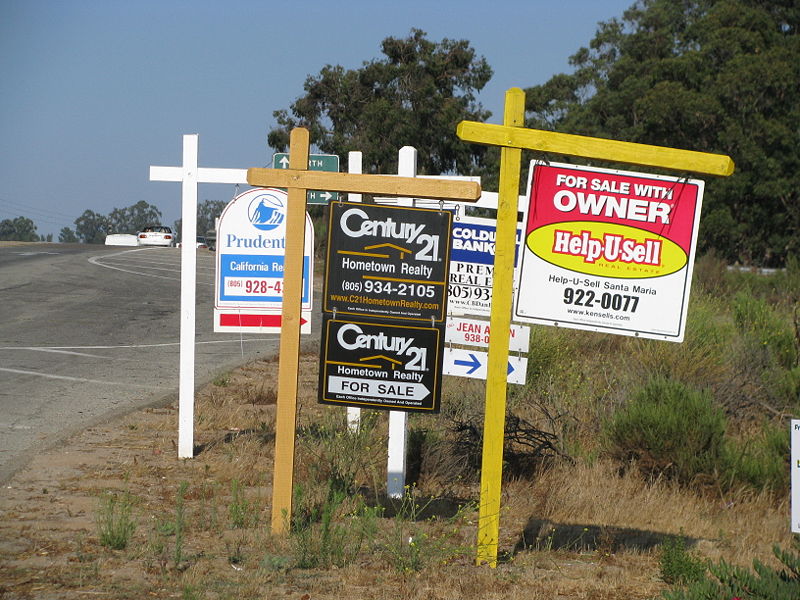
251, 244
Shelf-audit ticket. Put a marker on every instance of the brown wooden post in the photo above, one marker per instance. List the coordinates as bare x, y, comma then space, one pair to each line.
298, 179
288, 366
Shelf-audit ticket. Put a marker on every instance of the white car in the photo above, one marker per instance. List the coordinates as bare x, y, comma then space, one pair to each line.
200, 244
156, 235
122, 239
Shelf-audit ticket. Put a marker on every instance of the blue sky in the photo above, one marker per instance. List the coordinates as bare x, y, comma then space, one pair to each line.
96, 91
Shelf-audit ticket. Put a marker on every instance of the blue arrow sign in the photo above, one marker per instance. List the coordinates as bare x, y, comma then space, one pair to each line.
460, 362
475, 364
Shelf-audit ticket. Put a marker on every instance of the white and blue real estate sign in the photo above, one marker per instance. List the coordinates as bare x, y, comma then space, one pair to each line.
472, 266
251, 245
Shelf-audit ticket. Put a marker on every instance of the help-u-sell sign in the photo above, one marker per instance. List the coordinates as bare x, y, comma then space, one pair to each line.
608, 250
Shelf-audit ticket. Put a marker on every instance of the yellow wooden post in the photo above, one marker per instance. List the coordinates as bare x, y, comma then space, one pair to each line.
511, 135
298, 180
599, 148
499, 324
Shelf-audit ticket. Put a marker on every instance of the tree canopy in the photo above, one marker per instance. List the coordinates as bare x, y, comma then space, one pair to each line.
415, 95
92, 227
717, 76
20, 229
133, 218
207, 213
67, 236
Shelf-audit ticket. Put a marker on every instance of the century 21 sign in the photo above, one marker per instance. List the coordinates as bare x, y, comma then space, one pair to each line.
372, 364
384, 307
387, 262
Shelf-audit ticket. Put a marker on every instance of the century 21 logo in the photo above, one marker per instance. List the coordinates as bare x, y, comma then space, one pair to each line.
352, 337
355, 223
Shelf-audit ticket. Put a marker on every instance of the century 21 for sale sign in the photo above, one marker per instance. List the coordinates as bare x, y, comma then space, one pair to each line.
608, 250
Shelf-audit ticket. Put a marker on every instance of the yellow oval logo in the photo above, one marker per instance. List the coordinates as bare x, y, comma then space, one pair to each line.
606, 249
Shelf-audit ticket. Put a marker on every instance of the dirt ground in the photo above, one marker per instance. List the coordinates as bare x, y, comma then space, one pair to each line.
49, 540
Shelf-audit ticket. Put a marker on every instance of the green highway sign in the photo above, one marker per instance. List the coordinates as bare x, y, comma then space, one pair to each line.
316, 162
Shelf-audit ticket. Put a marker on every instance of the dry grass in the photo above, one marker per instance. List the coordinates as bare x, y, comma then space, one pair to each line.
49, 545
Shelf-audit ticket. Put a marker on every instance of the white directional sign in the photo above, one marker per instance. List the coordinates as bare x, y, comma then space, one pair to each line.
251, 244
474, 332
472, 363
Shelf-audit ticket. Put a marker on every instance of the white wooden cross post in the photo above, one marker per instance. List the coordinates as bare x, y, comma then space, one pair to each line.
398, 432
396, 463
189, 174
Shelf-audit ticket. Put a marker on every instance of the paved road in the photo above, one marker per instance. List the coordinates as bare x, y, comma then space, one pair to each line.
88, 332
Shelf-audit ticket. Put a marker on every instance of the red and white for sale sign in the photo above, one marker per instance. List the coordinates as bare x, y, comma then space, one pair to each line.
608, 250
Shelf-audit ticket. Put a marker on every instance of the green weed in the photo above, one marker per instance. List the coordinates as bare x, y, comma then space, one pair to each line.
222, 380
325, 535
114, 521
180, 522
241, 512
412, 544
677, 565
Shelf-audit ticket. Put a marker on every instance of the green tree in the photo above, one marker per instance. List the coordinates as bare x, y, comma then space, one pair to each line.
67, 236
91, 227
414, 96
133, 218
708, 75
207, 213
21, 229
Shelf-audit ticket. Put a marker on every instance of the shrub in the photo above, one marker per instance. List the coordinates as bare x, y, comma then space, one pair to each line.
527, 449
679, 566
761, 462
701, 360
332, 452
735, 582
773, 333
668, 430
782, 387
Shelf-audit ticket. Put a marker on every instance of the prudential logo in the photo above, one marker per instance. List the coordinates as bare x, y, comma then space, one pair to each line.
266, 212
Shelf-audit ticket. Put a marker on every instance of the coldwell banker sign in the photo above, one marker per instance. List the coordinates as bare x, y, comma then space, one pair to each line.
609, 250
251, 244
471, 266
